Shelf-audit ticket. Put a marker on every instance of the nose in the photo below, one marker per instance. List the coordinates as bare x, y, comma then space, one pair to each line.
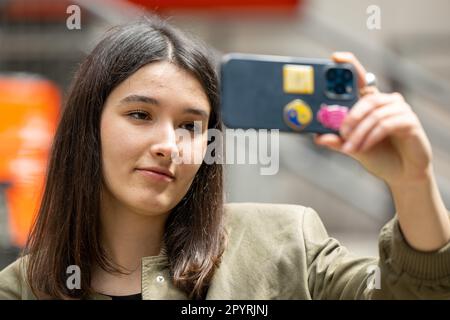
165, 146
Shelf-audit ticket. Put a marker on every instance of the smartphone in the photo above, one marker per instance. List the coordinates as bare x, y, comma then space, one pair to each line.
291, 94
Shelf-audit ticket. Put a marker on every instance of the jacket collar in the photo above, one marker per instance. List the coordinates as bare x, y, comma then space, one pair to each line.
161, 260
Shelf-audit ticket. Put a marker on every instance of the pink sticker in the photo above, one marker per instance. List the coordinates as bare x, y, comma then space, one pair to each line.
331, 116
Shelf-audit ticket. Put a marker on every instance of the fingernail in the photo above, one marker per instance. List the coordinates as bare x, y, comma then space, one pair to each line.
342, 54
347, 147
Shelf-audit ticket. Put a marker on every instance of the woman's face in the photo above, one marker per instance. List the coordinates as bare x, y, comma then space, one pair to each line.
140, 127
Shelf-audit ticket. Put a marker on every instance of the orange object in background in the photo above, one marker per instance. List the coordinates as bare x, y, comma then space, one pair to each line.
218, 4
29, 112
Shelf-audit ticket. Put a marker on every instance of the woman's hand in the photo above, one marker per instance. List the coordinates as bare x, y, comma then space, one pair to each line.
383, 134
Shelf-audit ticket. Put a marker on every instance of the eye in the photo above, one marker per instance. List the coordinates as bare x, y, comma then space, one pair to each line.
191, 126
139, 115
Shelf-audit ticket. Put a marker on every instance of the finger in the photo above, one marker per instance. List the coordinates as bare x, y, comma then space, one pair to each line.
329, 140
363, 129
348, 57
364, 106
395, 125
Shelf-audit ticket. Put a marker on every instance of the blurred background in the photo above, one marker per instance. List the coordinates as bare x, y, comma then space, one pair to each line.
41, 46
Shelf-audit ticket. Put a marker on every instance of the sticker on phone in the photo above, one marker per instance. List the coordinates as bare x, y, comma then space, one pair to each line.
297, 114
298, 79
331, 116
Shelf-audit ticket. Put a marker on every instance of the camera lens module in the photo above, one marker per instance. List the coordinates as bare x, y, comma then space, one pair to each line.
339, 83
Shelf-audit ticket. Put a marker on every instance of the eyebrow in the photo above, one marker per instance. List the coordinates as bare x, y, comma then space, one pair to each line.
153, 101
139, 98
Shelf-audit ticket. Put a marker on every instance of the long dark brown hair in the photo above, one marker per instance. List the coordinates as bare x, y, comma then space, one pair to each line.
67, 228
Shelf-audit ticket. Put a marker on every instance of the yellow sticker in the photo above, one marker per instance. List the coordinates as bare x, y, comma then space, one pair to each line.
298, 79
297, 114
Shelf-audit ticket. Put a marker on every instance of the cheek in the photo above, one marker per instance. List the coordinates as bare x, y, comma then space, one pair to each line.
198, 151
186, 177
189, 169
193, 153
117, 145
194, 150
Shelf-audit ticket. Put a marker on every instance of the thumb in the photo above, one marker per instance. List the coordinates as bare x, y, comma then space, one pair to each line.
329, 140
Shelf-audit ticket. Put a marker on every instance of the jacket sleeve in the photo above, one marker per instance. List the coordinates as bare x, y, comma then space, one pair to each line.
399, 273
11, 281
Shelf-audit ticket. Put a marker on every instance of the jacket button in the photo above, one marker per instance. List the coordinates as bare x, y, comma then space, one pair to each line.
160, 279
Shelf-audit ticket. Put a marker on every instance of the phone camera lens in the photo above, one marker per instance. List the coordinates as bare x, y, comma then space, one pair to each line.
348, 75
331, 74
339, 88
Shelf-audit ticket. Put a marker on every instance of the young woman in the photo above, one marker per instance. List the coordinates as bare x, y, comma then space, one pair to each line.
120, 218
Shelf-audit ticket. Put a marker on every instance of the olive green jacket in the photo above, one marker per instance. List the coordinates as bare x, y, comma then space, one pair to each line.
279, 251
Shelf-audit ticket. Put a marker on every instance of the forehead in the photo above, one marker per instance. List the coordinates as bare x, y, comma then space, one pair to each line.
166, 82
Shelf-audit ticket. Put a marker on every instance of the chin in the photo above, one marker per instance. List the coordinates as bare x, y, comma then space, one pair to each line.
151, 205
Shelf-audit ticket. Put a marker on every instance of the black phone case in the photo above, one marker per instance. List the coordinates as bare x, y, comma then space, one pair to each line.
253, 91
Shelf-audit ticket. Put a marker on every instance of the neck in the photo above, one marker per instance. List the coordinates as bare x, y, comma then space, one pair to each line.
128, 236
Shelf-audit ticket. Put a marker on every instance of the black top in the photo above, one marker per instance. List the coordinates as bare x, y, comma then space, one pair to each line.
137, 296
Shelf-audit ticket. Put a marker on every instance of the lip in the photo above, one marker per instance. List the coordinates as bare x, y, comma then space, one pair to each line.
157, 173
